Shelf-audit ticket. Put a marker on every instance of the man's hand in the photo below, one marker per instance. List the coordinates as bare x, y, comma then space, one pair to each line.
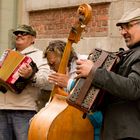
83, 67
25, 70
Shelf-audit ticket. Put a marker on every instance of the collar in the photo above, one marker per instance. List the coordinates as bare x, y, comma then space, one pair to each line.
28, 50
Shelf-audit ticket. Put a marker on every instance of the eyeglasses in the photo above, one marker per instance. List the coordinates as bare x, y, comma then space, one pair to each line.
128, 26
21, 33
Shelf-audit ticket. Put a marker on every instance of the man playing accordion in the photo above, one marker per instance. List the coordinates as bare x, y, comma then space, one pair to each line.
17, 109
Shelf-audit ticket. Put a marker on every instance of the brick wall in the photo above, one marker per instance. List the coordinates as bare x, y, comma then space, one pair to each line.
56, 23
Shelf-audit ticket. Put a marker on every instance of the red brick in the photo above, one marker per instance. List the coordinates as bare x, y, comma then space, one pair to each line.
57, 23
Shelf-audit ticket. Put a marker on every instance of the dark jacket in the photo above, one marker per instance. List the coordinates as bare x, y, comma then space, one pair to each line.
122, 110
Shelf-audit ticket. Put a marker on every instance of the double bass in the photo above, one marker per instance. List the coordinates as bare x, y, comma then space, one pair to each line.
58, 120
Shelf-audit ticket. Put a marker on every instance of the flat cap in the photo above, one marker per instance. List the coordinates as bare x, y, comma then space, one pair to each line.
25, 28
131, 15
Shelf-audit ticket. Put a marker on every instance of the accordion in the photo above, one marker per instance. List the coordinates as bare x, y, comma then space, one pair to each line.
10, 62
88, 98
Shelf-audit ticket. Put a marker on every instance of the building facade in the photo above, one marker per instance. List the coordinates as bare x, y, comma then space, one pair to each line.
53, 19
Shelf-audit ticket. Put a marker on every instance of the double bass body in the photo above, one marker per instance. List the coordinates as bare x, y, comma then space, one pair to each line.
58, 121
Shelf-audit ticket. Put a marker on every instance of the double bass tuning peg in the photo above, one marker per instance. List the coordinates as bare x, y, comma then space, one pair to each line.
83, 26
81, 21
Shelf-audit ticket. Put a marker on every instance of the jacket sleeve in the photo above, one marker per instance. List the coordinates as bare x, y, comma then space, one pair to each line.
124, 87
40, 78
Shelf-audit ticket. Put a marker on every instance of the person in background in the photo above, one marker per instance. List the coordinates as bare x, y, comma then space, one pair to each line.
17, 109
121, 112
54, 53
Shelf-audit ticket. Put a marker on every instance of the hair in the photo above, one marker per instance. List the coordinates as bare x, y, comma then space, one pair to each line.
58, 47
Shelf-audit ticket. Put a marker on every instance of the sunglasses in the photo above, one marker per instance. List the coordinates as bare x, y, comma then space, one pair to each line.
21, 33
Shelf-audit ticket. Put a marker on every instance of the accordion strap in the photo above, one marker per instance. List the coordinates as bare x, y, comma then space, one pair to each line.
87, 83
